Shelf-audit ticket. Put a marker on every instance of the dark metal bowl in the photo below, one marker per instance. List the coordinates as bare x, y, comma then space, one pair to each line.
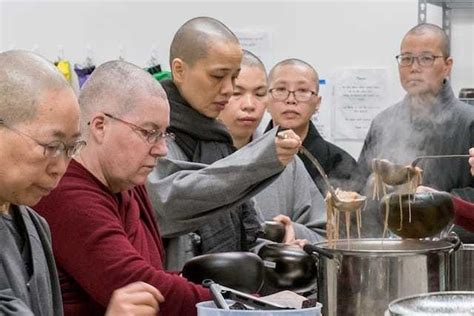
274, 231
430, 213
288, 268
242, 271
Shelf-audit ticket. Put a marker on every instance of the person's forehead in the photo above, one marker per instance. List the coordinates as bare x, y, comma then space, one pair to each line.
151, 110
251, 74
222, 55
426, 42
53, 123
293, 74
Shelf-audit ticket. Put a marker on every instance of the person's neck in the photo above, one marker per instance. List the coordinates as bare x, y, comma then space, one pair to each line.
4, 207
89, 161
240, 142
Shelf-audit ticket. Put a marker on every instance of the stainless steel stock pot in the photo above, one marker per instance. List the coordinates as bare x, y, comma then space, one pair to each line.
365, 275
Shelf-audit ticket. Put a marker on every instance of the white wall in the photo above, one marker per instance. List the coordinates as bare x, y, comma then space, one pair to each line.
328, 34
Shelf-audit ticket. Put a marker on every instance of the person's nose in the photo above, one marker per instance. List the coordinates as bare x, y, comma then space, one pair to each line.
415, 65
248, 104
58, 166
227, 87
159, 149
291, 98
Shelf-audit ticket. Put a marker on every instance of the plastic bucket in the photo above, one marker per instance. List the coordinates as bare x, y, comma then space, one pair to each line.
209, 309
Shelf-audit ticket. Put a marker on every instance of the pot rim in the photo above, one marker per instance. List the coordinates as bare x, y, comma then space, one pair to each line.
423, 295
430, 246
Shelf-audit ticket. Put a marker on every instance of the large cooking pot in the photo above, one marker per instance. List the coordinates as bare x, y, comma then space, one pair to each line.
434, 304
288, 267
242, 271
418, 215
365, 275
462, 276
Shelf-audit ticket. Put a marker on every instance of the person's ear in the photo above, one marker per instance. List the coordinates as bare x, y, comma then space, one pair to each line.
178, 70
449, 65
317, 103
97, 126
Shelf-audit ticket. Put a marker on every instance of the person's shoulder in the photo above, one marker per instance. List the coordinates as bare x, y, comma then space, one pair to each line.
464, 109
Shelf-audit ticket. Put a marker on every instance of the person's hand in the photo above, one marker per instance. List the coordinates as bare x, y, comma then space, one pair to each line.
289, 230
299, 242
471, 160
287, 145
423, 189
135, 299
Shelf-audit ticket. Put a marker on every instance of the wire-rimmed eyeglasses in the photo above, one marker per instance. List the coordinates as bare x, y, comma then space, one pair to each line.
55, 148
151, 136
301, 95
424, 60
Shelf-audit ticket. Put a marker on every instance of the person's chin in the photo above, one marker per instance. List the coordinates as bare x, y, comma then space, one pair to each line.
31, 200
290, 124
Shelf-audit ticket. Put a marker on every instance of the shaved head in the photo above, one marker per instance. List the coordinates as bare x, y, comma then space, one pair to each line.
191, 42
24, 78
115, 86
427, 28
251, 60
295, 62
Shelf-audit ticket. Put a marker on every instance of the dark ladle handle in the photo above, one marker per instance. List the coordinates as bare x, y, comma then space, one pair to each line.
418, 159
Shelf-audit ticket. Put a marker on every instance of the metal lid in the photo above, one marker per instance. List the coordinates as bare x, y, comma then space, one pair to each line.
386, 246
437, 303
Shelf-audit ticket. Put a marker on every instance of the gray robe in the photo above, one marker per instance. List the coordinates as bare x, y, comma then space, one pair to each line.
187, 195
40, 295
397, 136
295, 195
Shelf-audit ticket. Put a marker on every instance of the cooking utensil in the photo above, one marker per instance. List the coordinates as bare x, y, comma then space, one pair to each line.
370, 273
288, 267
419, 158
274, 231
432, 304
417, 215
220, 293
395, 174
224, 269
341, 204
391, 173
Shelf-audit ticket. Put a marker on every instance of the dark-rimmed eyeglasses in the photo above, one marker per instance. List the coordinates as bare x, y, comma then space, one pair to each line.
151, 136
424, 60
301, 95
55, 148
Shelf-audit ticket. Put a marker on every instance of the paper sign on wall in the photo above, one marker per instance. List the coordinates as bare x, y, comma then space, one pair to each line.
322, 118
258, 42
359, 95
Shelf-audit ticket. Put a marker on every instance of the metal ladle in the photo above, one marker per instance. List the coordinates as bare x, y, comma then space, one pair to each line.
341, 204
395, 174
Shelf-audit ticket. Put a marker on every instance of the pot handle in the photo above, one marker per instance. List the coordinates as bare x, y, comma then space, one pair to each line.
454, 239
311, 249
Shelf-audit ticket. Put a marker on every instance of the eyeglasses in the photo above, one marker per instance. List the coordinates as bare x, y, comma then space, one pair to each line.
151, 136
55, 148
301, 95
424, 60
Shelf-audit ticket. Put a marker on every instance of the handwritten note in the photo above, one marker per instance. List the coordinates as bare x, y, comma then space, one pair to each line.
359, 95
257, 42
